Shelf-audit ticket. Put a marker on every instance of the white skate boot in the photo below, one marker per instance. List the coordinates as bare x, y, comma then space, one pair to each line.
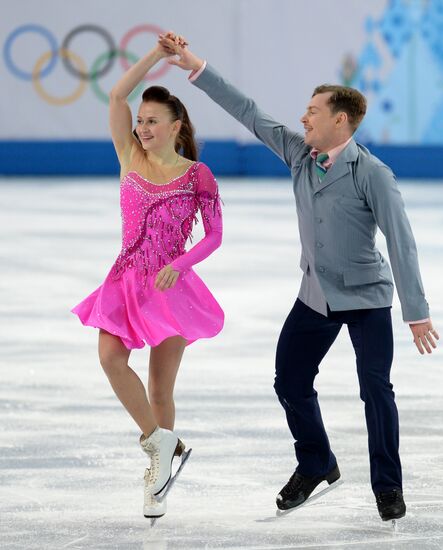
152, 508
161, 446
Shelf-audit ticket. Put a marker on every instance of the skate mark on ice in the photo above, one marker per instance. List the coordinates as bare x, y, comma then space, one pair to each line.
184, 458
282, 513
361, 544
67, 545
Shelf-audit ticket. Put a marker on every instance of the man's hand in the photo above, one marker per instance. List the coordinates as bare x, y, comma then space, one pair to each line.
424, 335
166, 278
177, 45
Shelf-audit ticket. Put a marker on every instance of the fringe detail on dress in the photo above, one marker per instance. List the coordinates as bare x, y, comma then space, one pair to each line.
210, 207
167, 240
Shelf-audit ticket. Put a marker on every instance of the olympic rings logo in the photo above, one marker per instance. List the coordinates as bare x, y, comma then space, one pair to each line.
75, 65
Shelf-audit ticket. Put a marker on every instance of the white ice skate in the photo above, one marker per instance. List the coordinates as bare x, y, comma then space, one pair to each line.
152, 508
161, 446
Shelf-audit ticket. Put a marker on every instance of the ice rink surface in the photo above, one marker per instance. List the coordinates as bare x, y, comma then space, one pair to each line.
71, 468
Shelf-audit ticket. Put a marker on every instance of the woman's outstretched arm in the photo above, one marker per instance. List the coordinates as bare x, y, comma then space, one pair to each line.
120, 118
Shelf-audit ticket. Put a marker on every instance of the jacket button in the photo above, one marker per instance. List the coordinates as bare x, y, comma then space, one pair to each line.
321, 269
318, 194
318, 220
319, 245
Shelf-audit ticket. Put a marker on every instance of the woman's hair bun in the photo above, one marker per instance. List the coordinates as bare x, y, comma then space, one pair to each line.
156, 93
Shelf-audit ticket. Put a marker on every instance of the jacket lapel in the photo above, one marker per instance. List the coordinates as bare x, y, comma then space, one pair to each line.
340, 167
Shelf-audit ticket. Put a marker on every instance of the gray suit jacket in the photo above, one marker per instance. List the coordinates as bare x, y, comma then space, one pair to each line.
338, 217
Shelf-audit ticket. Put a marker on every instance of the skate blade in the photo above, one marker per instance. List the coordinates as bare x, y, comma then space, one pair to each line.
183, 459
310, 499
282, 513
161, 496
394, 524
153, 520
179, 452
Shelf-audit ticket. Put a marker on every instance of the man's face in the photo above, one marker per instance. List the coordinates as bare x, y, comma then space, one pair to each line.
320, 123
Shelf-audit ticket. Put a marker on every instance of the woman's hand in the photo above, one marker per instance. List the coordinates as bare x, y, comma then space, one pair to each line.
161, 52
166, 278
180, 55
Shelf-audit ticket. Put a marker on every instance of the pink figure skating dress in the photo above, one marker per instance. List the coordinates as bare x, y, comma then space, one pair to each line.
157, 222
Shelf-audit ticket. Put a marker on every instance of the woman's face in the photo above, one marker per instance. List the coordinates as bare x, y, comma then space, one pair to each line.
155, 128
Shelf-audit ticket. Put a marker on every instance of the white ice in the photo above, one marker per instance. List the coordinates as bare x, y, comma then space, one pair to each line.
71, 469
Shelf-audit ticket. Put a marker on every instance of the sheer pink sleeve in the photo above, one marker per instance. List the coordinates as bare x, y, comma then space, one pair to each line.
208, 201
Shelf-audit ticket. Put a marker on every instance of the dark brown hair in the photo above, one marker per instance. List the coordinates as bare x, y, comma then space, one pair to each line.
185, 142
348, 100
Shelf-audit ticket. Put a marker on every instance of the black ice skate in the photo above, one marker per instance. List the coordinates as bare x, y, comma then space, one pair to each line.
391, 505
299, 487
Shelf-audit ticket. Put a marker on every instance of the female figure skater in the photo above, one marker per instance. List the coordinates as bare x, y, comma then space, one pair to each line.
151, 295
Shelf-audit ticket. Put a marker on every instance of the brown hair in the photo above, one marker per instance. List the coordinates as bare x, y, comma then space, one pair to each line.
185, 142
348, 100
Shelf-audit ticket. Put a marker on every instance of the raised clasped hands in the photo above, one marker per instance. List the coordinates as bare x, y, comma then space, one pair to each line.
424, 335
175, 47
167, 47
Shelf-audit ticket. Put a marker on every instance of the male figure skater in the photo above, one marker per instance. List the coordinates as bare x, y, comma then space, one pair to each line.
343, 193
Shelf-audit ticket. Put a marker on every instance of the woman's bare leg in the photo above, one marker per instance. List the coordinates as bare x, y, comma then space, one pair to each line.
164, 362
124, 381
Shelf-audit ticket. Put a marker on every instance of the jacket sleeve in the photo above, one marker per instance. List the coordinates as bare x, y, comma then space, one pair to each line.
208, 201
386, 203
288, 145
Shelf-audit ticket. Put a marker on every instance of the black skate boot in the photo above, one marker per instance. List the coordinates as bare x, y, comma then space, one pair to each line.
299, 487
391, 505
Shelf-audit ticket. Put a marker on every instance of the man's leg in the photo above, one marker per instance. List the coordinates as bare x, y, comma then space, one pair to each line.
371, 335
304, 341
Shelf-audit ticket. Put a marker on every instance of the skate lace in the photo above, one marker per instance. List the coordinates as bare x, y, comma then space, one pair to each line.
155, 463
149, 497
294, 484
388, 498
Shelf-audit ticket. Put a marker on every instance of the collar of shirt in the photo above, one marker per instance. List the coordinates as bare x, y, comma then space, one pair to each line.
333, 153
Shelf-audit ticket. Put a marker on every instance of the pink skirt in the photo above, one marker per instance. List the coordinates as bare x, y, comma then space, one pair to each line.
139, 314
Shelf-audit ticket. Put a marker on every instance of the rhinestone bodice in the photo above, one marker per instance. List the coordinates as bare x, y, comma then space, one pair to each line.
157, 220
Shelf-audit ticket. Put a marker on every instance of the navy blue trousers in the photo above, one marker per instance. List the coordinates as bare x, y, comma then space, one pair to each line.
304, 341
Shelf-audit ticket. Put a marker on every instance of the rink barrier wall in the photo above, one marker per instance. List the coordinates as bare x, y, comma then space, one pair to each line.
225, 158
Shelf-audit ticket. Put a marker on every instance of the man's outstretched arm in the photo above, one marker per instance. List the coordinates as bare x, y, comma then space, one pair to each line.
288, 145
